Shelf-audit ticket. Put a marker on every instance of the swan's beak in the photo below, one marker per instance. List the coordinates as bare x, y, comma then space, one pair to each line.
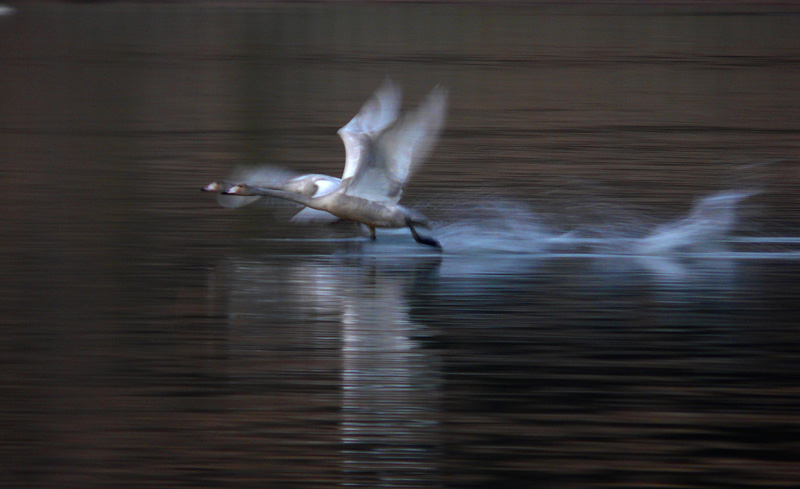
212, 187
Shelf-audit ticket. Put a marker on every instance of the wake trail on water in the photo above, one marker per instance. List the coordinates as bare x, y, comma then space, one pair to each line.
497, 226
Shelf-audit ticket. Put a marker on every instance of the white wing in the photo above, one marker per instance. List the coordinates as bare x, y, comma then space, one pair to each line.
392, 157
325, 185
377, 114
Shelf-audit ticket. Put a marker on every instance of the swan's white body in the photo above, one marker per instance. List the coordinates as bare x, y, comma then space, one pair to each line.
312, 185
382, 151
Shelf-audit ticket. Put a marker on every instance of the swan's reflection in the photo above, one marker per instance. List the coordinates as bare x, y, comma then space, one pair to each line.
348, 314
389, 398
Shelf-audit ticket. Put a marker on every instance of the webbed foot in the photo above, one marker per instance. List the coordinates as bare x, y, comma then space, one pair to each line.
426, 240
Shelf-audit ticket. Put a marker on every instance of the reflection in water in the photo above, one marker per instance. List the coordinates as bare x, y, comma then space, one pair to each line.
400, 404
390, 392
389, 384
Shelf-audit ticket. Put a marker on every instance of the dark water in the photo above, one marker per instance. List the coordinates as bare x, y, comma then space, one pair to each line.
575, 333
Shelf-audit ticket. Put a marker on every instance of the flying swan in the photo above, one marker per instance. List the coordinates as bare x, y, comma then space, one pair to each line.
375, 116
382, 151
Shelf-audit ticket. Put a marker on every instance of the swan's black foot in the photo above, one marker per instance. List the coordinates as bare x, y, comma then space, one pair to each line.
372, 234
429, 241
426, 240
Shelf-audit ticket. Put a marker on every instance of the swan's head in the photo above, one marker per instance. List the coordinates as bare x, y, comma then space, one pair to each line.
241, 189
216, 187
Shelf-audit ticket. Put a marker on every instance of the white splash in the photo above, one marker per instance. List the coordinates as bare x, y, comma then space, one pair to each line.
709, 223
495, 227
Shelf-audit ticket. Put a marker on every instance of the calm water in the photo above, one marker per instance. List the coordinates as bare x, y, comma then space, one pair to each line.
617, 304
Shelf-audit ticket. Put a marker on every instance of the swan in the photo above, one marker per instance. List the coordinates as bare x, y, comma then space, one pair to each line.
312, 185
371, 213
380, 156
376, 115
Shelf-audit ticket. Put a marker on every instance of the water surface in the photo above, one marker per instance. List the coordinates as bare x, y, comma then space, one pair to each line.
588, 325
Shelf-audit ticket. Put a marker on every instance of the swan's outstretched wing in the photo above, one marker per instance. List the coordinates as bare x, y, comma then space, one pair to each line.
393, 156
377, 114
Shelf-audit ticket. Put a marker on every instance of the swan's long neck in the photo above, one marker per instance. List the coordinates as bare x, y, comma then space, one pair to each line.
282, 194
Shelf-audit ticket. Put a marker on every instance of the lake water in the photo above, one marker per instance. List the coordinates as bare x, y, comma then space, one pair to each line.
616, 304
